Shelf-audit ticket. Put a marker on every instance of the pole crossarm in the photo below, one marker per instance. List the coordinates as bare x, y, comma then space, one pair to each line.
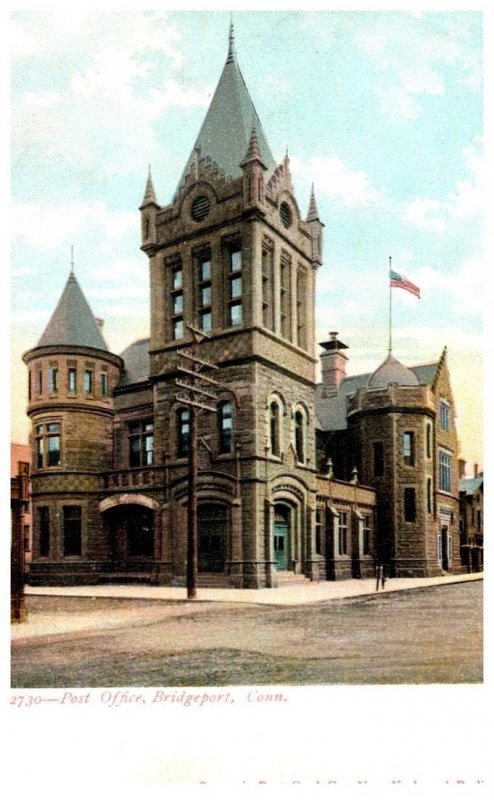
194, 403
195, 389
201, 377
197, 360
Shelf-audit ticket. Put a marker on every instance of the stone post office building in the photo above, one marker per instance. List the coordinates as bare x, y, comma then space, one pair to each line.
295, 481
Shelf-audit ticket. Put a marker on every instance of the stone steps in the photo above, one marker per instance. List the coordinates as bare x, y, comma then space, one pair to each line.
291, 579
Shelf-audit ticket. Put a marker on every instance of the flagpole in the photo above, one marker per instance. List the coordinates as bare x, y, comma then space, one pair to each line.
390, 308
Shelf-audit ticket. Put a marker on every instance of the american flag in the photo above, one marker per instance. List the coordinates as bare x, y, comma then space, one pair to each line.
399, 281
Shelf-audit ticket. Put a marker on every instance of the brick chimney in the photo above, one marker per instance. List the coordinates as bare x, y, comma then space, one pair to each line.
333, 363
475, 470
461, 467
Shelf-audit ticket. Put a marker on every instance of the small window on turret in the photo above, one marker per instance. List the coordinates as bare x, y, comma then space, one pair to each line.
71, 380
88, 381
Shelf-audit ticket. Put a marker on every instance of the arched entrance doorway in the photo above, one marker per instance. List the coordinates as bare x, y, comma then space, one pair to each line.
281, 537
212, 537
131, 534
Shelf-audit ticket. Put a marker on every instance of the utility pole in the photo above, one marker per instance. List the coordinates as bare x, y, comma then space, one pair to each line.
196, 402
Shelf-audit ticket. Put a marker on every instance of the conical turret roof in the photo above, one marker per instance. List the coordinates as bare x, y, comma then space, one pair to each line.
392, 371
73, 322
226, 131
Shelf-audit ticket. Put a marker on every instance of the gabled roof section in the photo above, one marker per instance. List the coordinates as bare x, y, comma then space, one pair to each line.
472, 485
226, 131
331, 411
137, 363
426, 373
73, 322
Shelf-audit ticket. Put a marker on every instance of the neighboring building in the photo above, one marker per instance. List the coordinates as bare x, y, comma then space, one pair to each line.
396, 428
472, 519
232, 279
20, 459
19, 528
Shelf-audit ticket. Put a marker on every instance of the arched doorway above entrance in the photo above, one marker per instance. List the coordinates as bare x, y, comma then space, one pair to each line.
131, 532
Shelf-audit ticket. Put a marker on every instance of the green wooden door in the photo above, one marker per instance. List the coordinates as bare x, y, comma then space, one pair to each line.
280, 542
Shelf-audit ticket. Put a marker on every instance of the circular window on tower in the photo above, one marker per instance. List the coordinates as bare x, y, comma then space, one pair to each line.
200, 208
285, 215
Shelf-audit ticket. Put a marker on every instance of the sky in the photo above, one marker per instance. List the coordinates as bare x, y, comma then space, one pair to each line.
382, 110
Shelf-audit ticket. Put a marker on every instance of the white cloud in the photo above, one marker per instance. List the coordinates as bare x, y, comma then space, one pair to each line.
272, 84
464, 202
422, 213
465, 287
415, 60
47, 228
336, 180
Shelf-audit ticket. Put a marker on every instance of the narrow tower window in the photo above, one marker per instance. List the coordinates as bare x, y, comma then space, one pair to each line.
235, 314
301, 302
267, 288
183, 431
177, 302
409, 505
274, 428
300, 436
205, 293
71, 380
408, 449
225, 420
285, 320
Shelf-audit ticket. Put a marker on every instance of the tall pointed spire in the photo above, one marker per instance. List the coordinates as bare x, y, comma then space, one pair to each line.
312, 213
149, 194
226, 131
231, 44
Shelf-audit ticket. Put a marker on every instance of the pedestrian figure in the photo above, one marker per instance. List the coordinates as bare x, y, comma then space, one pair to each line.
381, 575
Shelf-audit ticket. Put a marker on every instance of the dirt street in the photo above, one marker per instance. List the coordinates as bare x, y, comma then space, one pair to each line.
432, 635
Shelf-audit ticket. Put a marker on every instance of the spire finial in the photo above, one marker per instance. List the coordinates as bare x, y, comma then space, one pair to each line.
231, 42
313, 213
71, 259
149, 194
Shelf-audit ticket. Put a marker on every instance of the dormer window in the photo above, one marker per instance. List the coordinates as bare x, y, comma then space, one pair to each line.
285, 215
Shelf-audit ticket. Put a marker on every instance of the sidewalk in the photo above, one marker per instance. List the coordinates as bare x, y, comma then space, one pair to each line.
174, 600
286, 595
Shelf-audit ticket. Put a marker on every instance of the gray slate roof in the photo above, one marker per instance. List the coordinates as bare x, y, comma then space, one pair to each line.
73, 322
136, 360
392, 371
472, 485
331, 411
227, 127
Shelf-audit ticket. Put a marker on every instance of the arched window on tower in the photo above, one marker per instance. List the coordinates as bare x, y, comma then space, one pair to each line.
300, 435
275, 428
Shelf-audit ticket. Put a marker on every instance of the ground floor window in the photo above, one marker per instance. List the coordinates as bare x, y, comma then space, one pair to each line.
343, 533
72, 531
44, 531
366, 535
319, 525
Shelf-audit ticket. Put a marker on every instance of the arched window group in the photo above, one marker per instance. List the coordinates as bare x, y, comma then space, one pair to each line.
276, 413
